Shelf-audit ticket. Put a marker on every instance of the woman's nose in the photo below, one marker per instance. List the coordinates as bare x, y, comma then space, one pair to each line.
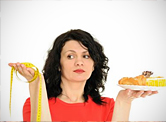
79, 62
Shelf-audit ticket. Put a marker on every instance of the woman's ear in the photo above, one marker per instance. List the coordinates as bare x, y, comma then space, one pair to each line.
93, 68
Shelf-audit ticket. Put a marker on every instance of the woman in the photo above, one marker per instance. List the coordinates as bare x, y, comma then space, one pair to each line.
74, 73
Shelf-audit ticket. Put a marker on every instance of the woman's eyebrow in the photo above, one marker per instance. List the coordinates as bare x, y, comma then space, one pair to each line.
70, 51
75, 51
85, 51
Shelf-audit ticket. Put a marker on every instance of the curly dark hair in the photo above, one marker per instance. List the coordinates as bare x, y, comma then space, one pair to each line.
95, 84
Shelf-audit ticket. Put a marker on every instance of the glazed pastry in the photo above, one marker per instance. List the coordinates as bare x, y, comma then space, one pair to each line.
138, 80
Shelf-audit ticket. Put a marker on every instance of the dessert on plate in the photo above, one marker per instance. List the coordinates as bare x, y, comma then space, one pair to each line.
143, 80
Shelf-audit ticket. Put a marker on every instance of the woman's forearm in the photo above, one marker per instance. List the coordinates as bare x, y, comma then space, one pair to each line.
34, 92
121, 110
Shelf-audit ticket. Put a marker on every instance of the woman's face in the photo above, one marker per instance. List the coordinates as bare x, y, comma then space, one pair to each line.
76, 63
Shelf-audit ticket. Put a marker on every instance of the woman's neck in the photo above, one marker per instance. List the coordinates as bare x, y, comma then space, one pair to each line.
72, 92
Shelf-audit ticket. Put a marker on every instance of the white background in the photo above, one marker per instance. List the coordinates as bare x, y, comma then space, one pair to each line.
133, 34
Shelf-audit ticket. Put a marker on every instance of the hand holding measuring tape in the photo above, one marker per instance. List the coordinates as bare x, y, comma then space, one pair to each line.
27, 70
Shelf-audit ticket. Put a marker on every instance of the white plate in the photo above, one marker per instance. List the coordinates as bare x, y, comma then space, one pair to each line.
136, 87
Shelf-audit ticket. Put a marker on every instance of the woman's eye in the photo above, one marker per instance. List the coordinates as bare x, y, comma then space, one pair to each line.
70, 56
86, 56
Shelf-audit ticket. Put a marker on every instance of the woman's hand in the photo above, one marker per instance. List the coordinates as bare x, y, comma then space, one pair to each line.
129, 95
26, 72
123, 103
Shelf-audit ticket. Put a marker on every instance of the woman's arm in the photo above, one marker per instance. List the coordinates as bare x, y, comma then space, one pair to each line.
123, 103
34, 92
28, 73
121, 111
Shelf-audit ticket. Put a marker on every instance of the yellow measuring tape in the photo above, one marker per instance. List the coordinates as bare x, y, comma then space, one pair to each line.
40, 87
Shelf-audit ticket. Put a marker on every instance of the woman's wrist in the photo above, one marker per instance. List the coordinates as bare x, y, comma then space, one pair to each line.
121, 100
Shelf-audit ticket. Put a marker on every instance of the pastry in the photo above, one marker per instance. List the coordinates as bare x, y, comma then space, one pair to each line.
138, 80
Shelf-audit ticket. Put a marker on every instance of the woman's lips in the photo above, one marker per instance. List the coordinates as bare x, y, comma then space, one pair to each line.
79, 71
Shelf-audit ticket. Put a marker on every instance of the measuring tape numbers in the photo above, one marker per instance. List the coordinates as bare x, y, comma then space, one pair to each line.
36, 75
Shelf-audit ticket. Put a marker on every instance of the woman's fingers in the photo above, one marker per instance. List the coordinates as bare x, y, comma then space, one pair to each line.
26, 72
129, 95
19, 68
30, 70
139, 94
136, 94
146, 93
11, 64
154, 92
